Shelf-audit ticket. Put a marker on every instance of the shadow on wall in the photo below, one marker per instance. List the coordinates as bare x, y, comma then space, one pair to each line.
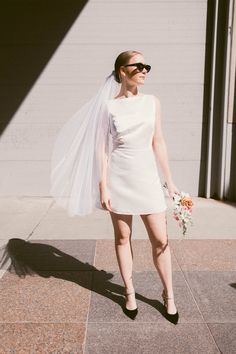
30, 33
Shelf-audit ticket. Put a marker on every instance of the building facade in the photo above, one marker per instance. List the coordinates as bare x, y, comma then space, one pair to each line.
55, 56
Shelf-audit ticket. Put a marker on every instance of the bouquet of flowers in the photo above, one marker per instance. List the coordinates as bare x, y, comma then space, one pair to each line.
182, 210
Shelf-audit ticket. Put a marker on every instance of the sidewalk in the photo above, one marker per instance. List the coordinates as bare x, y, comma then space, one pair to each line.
67, 294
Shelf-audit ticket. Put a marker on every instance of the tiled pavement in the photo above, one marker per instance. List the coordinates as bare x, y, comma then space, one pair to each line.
65, 295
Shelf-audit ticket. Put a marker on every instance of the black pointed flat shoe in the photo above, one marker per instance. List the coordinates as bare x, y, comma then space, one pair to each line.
172, 317
130, 313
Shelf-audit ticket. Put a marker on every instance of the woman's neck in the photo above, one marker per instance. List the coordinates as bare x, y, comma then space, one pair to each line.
128, 91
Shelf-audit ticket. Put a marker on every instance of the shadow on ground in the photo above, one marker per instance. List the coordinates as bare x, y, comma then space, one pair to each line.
46, 261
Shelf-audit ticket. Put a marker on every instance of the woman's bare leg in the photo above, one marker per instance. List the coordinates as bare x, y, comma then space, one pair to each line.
122, 225
156, 226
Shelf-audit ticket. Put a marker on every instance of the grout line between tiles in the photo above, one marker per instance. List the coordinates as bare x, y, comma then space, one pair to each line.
30, 234
39, 222
2, 273
205, 323
190, 290
117, 322
173, 252
90, 297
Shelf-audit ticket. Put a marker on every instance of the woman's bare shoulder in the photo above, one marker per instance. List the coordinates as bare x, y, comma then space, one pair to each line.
157, 100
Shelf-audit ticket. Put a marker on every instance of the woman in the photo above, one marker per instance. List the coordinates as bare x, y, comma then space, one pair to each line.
126, 176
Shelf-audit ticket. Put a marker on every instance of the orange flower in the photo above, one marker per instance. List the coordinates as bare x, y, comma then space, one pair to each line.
187, 202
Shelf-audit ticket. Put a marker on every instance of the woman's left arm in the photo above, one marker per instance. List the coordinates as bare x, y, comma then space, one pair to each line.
160, 151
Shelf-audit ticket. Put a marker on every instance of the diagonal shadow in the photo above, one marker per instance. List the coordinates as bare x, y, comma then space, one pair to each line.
45, 260
30, 32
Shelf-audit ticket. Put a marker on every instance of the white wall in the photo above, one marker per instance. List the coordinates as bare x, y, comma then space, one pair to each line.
171, 35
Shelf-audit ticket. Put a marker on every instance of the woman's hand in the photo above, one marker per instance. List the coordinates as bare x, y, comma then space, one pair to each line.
172, 189
105, 199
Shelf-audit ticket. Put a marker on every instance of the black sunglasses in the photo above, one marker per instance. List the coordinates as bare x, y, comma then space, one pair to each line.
140, 66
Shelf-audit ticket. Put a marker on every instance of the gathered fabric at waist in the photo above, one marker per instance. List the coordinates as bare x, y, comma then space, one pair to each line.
128, 148
132, 158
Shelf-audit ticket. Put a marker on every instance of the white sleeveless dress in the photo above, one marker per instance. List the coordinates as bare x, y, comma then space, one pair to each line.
132, 175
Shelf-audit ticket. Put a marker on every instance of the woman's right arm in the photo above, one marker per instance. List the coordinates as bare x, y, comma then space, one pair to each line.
104, 195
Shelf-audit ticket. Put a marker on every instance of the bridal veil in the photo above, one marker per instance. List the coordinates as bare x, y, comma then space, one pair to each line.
77, 156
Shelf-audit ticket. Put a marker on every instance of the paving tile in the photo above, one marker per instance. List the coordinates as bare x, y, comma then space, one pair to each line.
2, 272
225, 336
149, 338
20, 215
105, 257
77, 254
2, 250
215, 295
207, 255
42, 338
107, 299
211, 220
50, 254
57, 224
2, 243
52, 297
139, 231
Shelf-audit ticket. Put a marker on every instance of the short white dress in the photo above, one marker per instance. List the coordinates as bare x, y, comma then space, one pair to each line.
132, 175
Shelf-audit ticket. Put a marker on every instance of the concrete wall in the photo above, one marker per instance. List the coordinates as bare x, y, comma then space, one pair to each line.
171, 34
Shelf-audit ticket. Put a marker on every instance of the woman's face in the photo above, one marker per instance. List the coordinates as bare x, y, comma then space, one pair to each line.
131, 74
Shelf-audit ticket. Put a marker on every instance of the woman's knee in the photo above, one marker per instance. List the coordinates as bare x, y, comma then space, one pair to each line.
159, 243
122, 238
122, 228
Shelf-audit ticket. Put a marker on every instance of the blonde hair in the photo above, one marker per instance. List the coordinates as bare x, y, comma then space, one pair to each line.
123, 59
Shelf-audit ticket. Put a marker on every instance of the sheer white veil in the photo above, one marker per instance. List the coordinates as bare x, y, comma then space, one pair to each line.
76, 162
